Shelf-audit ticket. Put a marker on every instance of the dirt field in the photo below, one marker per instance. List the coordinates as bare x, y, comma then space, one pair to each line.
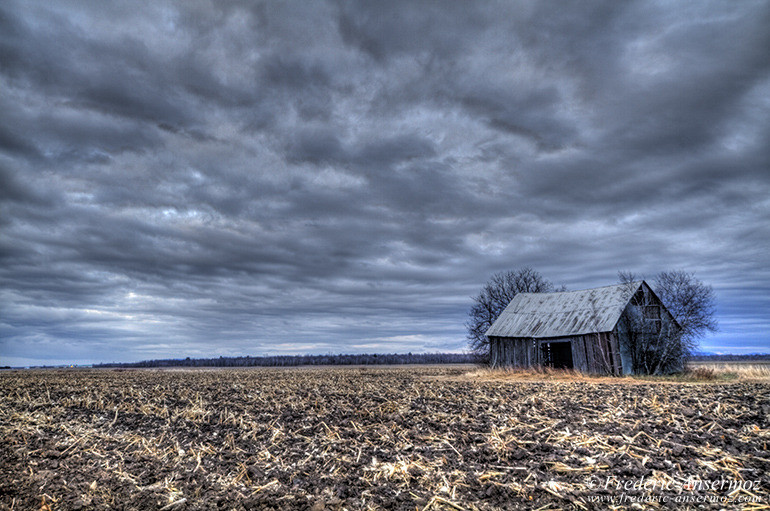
376, 438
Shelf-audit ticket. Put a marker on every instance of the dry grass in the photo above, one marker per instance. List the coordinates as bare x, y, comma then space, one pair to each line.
533, 374
695, 372
733, 370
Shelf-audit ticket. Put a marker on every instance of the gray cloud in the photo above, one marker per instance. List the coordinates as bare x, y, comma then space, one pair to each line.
244, 178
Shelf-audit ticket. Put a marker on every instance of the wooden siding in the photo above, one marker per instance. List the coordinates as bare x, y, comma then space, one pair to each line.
579, 357
591, 353
518, 353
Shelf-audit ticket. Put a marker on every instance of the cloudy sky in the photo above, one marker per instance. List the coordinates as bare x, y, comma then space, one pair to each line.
199, 178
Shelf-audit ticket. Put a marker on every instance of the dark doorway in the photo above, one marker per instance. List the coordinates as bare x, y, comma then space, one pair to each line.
557, 354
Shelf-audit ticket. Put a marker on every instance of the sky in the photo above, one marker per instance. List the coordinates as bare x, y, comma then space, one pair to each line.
217, 178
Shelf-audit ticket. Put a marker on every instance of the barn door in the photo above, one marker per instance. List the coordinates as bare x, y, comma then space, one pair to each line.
557, 354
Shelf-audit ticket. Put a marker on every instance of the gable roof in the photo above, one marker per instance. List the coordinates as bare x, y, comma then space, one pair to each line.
539, 315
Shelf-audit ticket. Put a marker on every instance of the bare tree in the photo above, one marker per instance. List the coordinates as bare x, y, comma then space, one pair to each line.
656, 345
495, 296
692, 303
628, 277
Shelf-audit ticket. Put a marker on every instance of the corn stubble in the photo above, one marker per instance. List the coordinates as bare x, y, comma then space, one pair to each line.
380, 438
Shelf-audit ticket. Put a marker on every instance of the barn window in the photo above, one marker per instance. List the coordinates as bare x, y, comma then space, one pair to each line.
652, 314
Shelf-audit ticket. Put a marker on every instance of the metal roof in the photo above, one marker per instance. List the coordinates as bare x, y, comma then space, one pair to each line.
562, 314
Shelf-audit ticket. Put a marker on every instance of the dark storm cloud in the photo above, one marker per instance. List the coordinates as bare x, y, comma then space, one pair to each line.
244, 178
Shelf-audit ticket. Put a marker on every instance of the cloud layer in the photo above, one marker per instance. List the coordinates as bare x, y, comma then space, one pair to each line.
223, 178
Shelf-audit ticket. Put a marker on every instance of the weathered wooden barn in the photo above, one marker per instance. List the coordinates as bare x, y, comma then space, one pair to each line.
586, 330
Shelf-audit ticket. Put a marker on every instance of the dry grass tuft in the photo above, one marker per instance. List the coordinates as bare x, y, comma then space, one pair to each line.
701, 373
542, 373
695, 372
734, 371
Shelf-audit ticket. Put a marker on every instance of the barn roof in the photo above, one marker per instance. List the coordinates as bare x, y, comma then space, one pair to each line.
563, 314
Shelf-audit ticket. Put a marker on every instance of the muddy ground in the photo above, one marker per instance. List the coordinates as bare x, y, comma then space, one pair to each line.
375, 438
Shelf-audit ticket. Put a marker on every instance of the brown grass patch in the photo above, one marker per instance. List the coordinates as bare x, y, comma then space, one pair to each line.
734, 370
694, 373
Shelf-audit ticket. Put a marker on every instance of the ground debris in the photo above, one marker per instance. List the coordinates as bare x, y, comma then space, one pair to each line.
381, 438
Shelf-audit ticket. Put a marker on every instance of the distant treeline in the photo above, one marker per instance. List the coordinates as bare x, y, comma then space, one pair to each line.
731, 358
301, 360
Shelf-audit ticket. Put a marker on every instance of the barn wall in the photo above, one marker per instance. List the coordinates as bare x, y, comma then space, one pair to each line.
633, 323
591, 353
596, 353
579, 358
617, 355
622, 334
607, 353
513, 352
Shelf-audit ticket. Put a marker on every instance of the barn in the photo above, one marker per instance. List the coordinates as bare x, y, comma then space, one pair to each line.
589, 330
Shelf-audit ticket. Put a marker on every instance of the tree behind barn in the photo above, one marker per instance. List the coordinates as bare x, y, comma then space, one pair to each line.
495, 296
691, 303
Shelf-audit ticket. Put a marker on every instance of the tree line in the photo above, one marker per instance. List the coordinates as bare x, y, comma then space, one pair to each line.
301, 360
753, 357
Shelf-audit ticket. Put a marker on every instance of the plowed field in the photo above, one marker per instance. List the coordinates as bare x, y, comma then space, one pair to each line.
375, 438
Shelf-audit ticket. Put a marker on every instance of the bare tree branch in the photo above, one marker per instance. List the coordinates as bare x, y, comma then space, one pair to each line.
495, 296
690, 301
